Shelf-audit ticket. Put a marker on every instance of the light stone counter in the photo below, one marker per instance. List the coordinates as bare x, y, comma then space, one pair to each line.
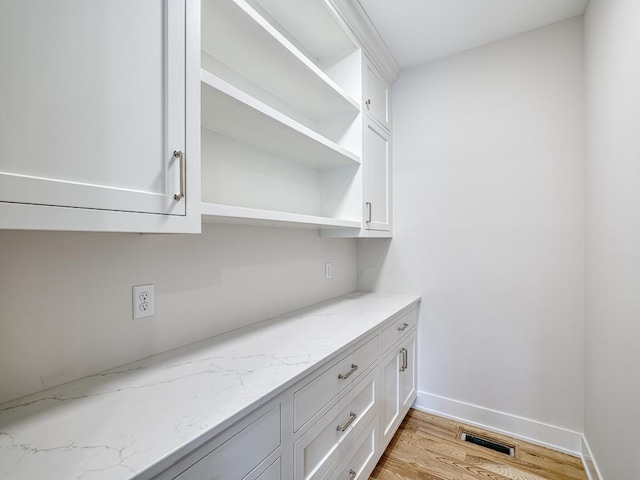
122, 422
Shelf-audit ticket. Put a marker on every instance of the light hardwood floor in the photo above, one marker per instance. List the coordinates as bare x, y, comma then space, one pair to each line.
427, 447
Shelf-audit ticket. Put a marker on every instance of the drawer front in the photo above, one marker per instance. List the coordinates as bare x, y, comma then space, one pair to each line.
359, 462
243, 452
316, 394
271, 473
319, 448
398, 329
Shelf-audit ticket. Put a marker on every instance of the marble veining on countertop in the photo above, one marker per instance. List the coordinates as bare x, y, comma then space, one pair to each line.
119, 423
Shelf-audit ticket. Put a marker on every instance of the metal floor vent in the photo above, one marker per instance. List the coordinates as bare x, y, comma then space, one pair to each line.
486, 443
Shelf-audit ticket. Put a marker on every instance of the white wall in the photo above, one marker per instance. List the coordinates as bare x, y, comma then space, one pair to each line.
612, 368
489, 225
65, 308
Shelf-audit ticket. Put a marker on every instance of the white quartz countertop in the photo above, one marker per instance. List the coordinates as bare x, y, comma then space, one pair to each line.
131, 421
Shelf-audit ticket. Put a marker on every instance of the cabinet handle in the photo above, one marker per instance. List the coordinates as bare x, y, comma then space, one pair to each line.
403, 327
354, 367
368, 204
352, 417
405, 360
183, 174
368, 103
352, 474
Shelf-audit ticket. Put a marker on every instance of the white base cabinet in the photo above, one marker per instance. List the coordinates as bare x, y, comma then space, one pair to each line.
248, 450
334, 424
398, 373
398, 386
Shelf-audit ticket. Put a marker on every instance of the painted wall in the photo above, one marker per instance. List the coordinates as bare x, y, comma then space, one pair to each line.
65, 308
489, 226
612, 367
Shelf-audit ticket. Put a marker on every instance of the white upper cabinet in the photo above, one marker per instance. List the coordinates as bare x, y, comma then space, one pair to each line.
376, 170
95, 115
377, 178
376, 96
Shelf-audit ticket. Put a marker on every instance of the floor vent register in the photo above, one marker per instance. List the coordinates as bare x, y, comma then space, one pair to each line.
486, 443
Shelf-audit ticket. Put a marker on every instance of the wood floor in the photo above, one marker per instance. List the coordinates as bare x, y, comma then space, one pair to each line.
427, 447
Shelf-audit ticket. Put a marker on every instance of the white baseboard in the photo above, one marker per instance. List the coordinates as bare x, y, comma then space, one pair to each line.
550, 436
593, 472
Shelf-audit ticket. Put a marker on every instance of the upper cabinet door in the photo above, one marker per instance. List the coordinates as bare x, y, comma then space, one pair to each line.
377, 178
94, 106
376, 97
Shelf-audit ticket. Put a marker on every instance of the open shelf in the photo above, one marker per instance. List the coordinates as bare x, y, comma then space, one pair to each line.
215, 213
322, 40
231, 112
239, 37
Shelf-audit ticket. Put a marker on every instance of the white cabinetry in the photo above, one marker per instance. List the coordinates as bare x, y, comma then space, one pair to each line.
281, 135
376, 171
377, 178
250, 449
98, 115
361, 459
102, 101
333, 424
377, 152
408, 373
333, 435
398, 374
285, 139
377, 95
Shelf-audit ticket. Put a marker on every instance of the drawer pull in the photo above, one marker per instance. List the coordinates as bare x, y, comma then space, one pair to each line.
352, 417
352, 474
405, 359
403, 327
354, 367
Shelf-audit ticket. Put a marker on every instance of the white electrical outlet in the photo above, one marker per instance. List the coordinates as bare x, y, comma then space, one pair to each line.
327, 270
143, 301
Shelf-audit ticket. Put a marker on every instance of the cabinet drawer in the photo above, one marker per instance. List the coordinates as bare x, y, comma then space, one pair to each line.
243, 452
316, 394
272, 472
359, 461
398, 329
319, 448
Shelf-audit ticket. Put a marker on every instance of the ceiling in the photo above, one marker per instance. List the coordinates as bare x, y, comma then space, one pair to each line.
418, 31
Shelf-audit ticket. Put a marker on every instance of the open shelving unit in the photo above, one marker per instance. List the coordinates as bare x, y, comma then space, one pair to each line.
254, 216
239, 38
281, 126
228, 110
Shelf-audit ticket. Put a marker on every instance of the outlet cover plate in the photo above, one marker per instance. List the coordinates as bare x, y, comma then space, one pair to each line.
328, 270
143, 301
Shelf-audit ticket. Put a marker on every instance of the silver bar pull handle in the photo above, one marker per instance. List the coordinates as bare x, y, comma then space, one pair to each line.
183, 174
403, 327
354, 367
352, 417
403, 352
352, 474
368, 204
